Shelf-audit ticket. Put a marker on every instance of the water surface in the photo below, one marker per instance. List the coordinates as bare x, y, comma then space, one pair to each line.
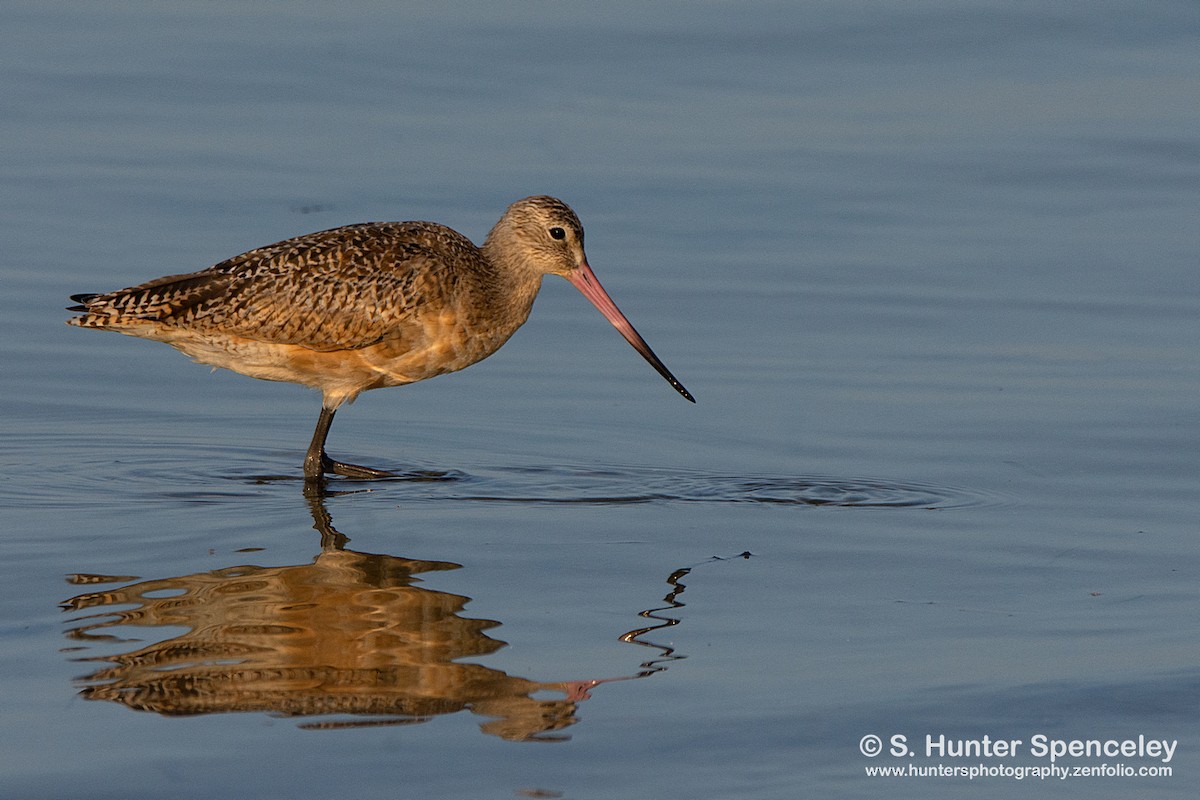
928, 269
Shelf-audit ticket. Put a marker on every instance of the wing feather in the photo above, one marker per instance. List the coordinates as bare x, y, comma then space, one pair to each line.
344, 288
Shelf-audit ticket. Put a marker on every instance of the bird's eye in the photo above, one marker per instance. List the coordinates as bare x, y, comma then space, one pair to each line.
557, 233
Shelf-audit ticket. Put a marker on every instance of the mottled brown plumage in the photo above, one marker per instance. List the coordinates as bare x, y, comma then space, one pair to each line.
363, 306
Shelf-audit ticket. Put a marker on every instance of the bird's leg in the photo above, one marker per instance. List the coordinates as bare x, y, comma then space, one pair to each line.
314, 460
317, 463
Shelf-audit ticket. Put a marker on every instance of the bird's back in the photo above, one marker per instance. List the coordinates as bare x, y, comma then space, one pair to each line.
343, 288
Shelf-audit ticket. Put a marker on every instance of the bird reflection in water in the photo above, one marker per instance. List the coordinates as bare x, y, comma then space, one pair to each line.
351, 637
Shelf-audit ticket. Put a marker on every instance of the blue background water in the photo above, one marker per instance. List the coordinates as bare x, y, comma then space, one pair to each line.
929, 269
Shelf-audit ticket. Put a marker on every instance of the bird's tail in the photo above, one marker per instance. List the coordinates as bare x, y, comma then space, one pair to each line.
83, 300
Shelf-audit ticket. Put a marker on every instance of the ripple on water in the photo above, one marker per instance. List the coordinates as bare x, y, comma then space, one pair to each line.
54, 470
622, 485
86, 475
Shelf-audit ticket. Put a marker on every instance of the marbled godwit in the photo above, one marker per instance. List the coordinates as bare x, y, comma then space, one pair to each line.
364, 306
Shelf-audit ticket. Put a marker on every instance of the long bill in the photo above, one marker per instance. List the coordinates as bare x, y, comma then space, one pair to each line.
585, 281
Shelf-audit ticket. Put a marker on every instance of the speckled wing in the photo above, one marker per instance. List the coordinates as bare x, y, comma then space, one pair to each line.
339, 289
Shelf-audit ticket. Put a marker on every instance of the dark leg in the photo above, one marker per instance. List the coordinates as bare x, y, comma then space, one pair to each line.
316, 463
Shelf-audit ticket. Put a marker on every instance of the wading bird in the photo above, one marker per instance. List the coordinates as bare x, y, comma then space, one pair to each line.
364, 306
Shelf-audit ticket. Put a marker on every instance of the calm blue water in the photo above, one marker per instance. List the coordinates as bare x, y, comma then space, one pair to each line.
929, 269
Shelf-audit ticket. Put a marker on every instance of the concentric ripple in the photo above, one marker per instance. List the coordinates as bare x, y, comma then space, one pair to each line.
623, 485
85, 474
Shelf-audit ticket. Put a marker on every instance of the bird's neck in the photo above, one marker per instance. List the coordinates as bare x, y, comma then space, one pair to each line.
511, 284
